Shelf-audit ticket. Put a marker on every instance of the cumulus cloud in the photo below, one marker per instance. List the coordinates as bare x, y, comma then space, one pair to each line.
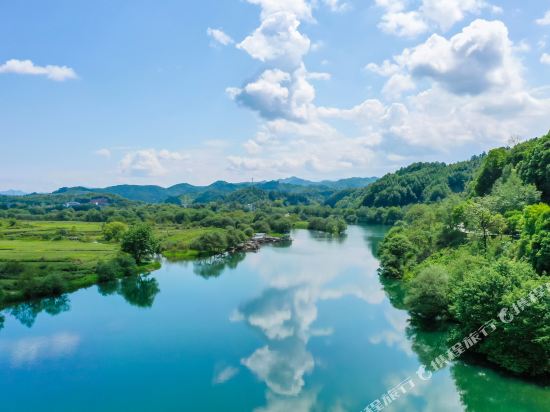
279, 94
443, 93
277, 39
439, 14
27, 67
473, 61
544, 21
478, 58
219, 36
471, 90
545, 58
403, 24
148, 162
397, 85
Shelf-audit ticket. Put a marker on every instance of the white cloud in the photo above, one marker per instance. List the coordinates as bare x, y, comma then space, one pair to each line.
387, 68
219, 36
29, 350
471, 90
403, 24
277, 39
337, 6
148, 162
103, 152
544, 21
545, 58
441, 14
319, 76
448, 12
300, 8
473, 61
278, 94
225, 375
397, 84
56, 73
281, 369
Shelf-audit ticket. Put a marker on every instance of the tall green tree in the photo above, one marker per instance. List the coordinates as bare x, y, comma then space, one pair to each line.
140, 242
490, 171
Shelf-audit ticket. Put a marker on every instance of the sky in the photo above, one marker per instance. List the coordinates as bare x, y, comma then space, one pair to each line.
105, 92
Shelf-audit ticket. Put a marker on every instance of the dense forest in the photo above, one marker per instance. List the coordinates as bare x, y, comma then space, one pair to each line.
465, 258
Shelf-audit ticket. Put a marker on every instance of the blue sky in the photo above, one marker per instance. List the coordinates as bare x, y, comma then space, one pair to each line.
168, 91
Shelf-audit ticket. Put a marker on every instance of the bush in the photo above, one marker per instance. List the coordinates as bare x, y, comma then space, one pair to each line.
11, 269
281, 225
235, 237
262, 226
127, 265
397, 253
428, 293
210, 243
114, 231
51, 285
106, 271
121, 266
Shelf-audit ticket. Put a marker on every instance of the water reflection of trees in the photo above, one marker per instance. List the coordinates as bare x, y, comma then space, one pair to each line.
394, 291
215, 265
27, 312
328, 237
374, 237
490, 390
139, 291
480, 386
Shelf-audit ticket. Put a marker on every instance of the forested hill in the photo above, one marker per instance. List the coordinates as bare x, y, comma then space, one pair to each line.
219, 191
417, 183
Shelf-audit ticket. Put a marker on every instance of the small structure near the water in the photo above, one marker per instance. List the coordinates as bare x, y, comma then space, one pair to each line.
259, 239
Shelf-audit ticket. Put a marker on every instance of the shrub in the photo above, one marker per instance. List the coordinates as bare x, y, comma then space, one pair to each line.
106, 271
262, 226
428, 293
114, 231
210, 243
11, 269
51, 285
121, 266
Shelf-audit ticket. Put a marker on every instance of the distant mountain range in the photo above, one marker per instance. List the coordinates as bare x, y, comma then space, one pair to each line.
13, 193
219, 189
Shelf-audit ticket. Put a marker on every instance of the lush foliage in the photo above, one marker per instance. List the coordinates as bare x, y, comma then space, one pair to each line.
468, 257
140, 242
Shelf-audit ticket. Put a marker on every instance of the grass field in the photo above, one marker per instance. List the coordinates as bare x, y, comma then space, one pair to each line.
175, 241
54, 251
73, 256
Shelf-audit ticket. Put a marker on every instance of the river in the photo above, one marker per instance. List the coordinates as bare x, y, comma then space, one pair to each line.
307, 327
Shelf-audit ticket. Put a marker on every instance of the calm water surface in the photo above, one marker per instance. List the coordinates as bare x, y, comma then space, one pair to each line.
301, 328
